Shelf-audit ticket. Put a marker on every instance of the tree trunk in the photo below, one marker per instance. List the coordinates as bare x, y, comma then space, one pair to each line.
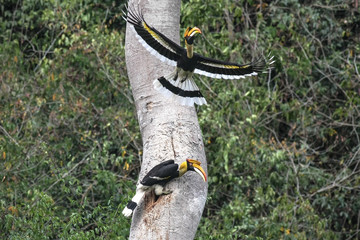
169, 131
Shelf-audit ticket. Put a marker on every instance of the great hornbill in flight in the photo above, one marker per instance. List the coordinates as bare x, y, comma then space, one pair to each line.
157, 178
180, 84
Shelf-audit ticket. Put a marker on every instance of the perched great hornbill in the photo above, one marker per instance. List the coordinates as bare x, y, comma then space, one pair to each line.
157, 178
179, 84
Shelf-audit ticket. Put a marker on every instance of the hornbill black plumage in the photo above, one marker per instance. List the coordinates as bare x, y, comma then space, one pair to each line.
179, 84
159, 176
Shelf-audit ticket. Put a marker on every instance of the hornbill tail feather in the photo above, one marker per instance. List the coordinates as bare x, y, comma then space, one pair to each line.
186, 92
130, 207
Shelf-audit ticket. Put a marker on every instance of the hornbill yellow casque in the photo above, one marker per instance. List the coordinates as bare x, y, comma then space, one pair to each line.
179, 84
157, 178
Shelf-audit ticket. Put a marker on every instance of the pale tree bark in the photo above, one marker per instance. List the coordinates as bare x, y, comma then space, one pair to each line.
169, 131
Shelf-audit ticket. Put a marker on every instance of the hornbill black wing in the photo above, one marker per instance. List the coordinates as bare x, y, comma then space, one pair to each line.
154, 41
161, 173
227, 70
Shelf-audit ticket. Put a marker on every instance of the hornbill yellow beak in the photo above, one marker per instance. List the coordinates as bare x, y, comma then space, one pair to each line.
191, 32
194, 165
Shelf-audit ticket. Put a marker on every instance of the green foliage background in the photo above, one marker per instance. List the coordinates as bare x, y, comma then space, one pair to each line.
283, 149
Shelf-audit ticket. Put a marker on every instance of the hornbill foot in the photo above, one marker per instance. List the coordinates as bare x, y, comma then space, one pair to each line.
166, 192
160, 190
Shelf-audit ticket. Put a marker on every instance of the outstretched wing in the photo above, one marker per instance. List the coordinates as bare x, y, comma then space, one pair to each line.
227, 70
154, 41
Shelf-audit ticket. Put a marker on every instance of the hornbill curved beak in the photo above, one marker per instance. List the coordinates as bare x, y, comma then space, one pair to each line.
190, 34
194, 165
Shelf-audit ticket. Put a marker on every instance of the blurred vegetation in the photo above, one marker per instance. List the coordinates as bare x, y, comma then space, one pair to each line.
283, 149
